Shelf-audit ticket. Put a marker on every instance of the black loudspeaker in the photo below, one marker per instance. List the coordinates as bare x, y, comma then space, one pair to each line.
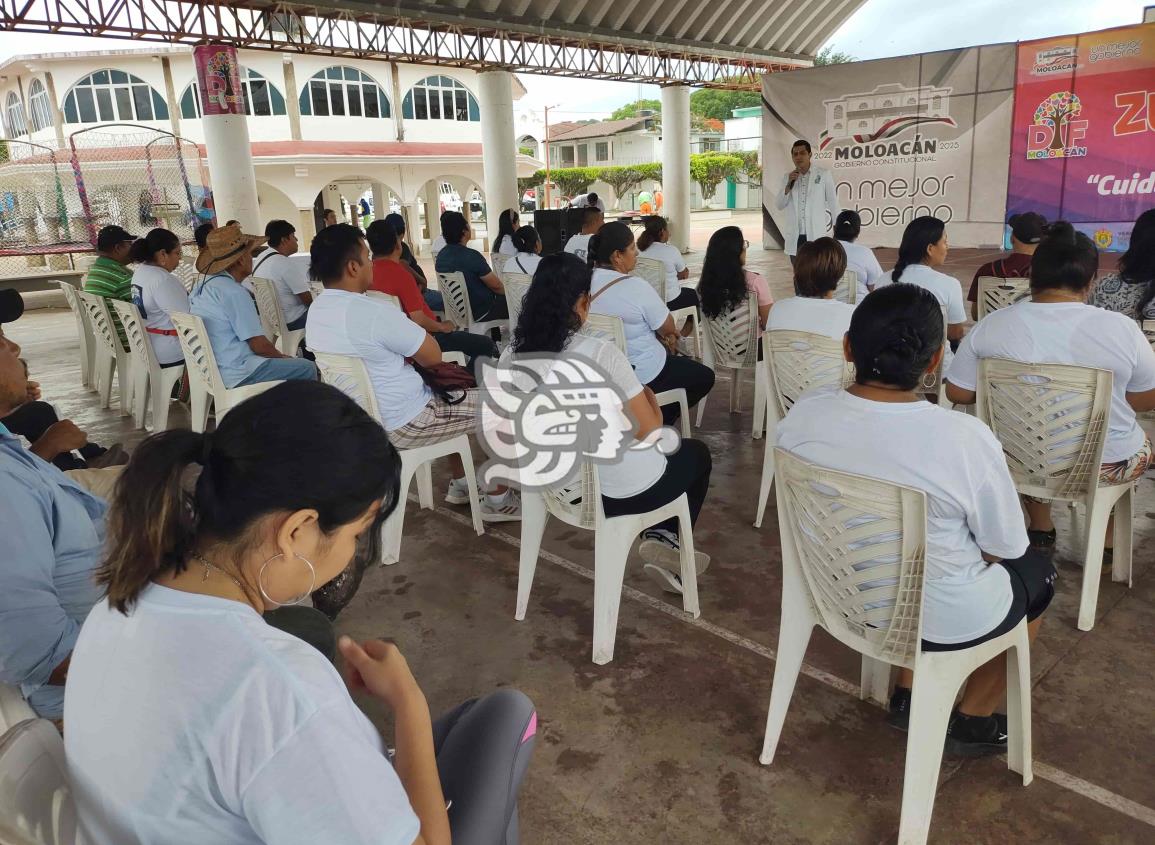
571, 223
548, 223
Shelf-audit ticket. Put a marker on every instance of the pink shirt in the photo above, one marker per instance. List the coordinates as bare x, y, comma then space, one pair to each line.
760, 286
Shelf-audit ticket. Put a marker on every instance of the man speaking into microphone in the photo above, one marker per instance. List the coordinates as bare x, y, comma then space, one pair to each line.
807, 194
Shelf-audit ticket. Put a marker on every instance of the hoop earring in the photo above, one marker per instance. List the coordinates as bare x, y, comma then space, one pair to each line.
264, 593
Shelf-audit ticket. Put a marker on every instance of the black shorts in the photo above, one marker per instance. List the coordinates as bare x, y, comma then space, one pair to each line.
687, 298
1032, 588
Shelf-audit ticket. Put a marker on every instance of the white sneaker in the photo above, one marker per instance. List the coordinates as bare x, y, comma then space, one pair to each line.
663, 560
505, 509
458, 493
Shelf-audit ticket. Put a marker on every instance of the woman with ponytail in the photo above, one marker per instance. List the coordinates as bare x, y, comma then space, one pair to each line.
177, 679
654, 243
508, 223
924, 249
860, 259
882, 428
158, 293
528, 245
1056, 326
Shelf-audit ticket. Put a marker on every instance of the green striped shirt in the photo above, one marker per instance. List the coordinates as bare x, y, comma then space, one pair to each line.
111, 280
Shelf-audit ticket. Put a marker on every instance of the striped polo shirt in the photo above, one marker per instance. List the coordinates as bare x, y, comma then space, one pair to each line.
111, 280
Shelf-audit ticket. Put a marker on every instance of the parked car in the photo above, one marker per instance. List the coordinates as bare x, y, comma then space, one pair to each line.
450, 199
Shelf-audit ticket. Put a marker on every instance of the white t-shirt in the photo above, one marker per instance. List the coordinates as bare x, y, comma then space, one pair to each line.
827, 317
642, 313
947, 289
193, 720
862, 261
157, 293
437, 245
671, 257
972, 506
523, 262
289, 278
1067, 333
507, 247
639, 469
579, 245
378, 333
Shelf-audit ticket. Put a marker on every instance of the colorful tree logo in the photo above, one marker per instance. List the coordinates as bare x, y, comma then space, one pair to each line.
1057, 112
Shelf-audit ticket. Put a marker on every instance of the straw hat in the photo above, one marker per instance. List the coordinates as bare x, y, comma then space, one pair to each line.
224, 248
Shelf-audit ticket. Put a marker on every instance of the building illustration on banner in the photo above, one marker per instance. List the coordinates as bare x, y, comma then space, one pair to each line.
1062, 59
884, 112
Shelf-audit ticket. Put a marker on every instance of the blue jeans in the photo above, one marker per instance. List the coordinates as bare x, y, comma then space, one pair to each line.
281, 369
434, 300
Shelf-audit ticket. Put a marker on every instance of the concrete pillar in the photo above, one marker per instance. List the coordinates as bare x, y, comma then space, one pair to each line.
230, 159
498, 149
432, 210
676, 163
306, 228
57, 117
412, 222
380, 201
292, 104
331, 199
170, 92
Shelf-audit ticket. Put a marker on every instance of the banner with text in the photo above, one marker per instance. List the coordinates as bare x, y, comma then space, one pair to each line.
903, 137
1083, 144
219, 79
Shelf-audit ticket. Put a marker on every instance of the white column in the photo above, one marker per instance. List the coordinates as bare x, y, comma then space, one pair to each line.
676, 163
380, 201
230, 160
432, 213
498, 149
331, 199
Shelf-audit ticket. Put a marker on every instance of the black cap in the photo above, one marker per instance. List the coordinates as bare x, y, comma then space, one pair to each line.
11, 305
110, 236
1028, 227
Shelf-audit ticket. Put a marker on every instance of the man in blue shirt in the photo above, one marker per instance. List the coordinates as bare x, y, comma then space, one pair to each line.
486, 293
244, 355
53, 536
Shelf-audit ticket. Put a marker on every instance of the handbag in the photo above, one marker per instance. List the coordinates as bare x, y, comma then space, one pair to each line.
447, 380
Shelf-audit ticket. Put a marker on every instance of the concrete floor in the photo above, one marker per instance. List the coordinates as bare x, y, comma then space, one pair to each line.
662, 744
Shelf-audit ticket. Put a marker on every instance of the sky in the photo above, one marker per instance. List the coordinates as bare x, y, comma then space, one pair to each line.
879, 29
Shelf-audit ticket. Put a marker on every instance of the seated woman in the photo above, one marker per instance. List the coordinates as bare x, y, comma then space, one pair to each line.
654, 243
486, 294
924, 247
725, 281
158, 293
177, 679
528, 244
973, 515
817, 270
508, 223
552, 314
614, 255
1055, 326
398, 223
1131, 290
859, 258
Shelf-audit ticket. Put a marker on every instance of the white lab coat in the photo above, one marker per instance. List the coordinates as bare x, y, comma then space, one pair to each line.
821, 198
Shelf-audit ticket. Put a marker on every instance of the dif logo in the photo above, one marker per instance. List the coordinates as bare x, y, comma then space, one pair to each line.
1056, 131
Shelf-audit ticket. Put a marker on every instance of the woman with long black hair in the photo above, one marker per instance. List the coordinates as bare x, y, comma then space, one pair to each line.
725, 281
508, 223
654, 243
1131, 290
922, 251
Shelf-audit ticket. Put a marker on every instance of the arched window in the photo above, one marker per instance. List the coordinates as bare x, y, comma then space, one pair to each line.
440, 98
344, 92
39, 105
262, 98
838, 112
14, 114
111, 95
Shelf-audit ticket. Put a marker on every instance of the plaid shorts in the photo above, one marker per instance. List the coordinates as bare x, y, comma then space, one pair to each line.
439, 421
1121, 472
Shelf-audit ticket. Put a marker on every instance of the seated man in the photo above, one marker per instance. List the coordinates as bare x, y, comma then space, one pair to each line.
290, 278
109, 275
592, 220
244, 355
1027, 232
486, 293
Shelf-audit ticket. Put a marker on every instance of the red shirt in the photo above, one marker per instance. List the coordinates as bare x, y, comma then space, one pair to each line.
393, 278
1013, 266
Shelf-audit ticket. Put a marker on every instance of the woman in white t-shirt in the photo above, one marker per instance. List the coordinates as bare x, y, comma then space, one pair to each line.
924, 247
158, 293
817, 270
643, 478
181, 694
508, 223
617, 292
881, 427
860, 259
1056, 326
528, 245
654, 243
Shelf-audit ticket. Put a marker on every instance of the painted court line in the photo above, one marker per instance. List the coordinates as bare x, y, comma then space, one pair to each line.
1059, 777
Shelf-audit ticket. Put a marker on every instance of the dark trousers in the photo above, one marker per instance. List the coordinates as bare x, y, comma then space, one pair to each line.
474, 346
497, 310
687, 471
694, 376
688, 298
32, 419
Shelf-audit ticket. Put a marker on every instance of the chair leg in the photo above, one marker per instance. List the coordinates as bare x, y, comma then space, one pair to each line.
759, 400
1098, 513
611, 549
684, 418
689, 564
139, 396
931, 702
701, 411
395, 524
471, 484
767, 482
875, 681
425, 485
735, 391
199, 407
106, 366
1019, 758
1124, 538
161, 395
793, 638
533, 518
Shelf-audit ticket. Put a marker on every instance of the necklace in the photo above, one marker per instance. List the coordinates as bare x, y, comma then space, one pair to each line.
209, 565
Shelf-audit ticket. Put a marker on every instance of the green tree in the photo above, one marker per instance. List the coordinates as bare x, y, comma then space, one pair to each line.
828, 56
574, 180
709, 170
751, 172
625, 178
720, 105
631, 109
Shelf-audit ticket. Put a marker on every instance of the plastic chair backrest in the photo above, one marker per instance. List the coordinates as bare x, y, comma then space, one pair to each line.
138, 341
13, 707
516, 287
35, 797
995, 293
606, 327
734, 335
187, 273
654, 272
198, 353
802, 361
847, 290
269, 307
384, 297
861, 545
348, 374
69, 291
456, 296
498, 261
1052, 421
1148, 327
316, 288
100, 318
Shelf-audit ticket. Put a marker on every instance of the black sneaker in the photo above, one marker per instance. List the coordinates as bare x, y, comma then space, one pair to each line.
1042, 541
976, 736
899, 715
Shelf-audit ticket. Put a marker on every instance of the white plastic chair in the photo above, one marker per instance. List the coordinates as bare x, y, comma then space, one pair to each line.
654, 272
795, 362
273, 317
995, 293
149, 379
580, 505
498, 261
349, 375
516, 287
732, 343
35, 797
187, 273
853, 560
83, 332
316, 288
847, 290
205, 380
383, 297
13, 708
457, 308
112, 357
1052, 421
611, 328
